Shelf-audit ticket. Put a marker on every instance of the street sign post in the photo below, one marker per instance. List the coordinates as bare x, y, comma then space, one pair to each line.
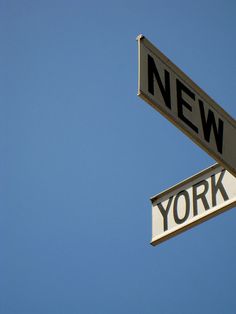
168, 90
192, 202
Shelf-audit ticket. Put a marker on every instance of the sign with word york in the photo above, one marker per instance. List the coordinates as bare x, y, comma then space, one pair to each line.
191, 202
167, 89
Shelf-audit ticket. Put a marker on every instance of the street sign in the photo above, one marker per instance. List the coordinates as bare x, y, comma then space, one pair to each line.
192, 202
168, 90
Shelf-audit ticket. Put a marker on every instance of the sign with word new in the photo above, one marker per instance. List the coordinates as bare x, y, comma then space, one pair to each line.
167, 89
191, 202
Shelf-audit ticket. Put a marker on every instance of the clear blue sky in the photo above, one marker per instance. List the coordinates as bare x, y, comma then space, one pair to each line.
81, 155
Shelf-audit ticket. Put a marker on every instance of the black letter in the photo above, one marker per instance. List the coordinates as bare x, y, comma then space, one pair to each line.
210, 123
152, 71
201, 196
165, 212
187, 207
218, 186
181, 102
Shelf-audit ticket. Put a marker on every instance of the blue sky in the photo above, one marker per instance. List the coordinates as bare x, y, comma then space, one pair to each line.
81, 155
